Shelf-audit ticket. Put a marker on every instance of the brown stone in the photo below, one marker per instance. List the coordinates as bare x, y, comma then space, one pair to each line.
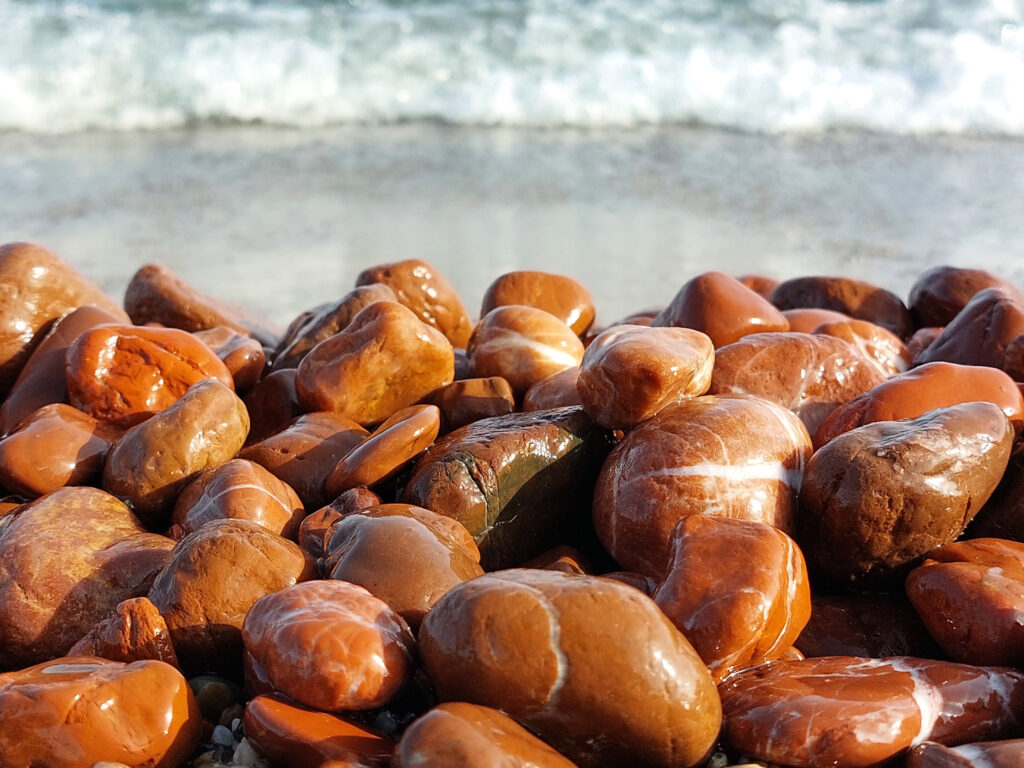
467, 400
241, 354
762, 285
271, 404
734, 456
920, 341
569, 657
988, 754
880, 347
565, 298
939, 294
856, 298
556, 391
562, 558
133, 632
806, 319
316, 529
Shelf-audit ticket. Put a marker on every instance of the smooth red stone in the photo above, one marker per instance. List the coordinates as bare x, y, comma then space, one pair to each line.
42, 380
923, 389
315, 529
920, 341
562, 558
460, 735
629, 372
858, 712
396, 442
241, 490
55, 446
407, 556
153, 461
556, 391
330, 645
939, 294
467, 400
66, 560
762, 285
570, 658
988, 754
81, 711
737, 589
880, 347
856, 298
134, 632
384, 360
721, 307
211, 581
301, 738
124, 374
734, 456
810, 375
970, 595
523, 345
305, 452
272, 403
878, 497
241, 354
806, 319
36, 288
565, 298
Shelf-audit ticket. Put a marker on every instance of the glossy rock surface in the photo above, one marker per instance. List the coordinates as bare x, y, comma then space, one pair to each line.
272, 403
241, 354
316, 528
556, 391
987, 754
882, 348
938, 294
467, 400
133, 632
856, 298
565, 298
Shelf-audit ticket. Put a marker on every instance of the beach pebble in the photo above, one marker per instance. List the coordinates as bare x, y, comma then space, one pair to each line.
54, 446
762, 285
36, 288
212, 579
565, 298
630, 372
851, 711
420, 287
970, 595
316, 529
806, 319
461, 735
737, 589
938, 294
880, 347
987, 754
734, 456
396, 442
571, 658
561, 558
556, 391
880, 496
523, 345
514, 481
133, 632
722, 308
272, 403
856, 298
66, 561
302, 738
467, 400
153, 461
810, 375
407, 556
241, 354
80, 710
125, 374
329, 645
384, 360
921, 340
242, 490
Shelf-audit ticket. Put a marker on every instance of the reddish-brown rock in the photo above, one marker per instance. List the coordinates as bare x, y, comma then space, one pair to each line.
920, 341
315, 529
467, 400
939, 294
271, 404
565, 298
762, 285
856, 298
84, 711
384, 360
556, 391
124, 374
806, 319
987, 754
66, 560
570, 658
329, 645
630, 372
460, 735
133, 632
734, 456
880, 347
241, 354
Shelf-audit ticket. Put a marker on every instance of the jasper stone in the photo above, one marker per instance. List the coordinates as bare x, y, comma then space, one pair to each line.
762, 285
241, 354
857, 712
629, 372
467, 400
737, 589
806, 319
55, 446
316, 529
66, 560
461, 735
856, 298
384, 360
880, 496
330, 645
133, 632
569, 657
721, 307
880, 347
986, 754
302, 738
36, 288
565, 298
518, 483
556, 391
124, 374
242, 490
272, 404
810, 375
523, 345
81, 710
211, 581
734, 456
407, 556
938, 294
153, 461
970, 595
923, 389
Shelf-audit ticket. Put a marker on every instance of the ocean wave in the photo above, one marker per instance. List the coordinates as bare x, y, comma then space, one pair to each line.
774, 66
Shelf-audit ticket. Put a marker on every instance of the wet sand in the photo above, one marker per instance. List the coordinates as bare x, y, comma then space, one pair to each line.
280, 220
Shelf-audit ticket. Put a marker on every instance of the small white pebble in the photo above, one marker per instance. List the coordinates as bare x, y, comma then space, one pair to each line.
235, 724
223, 737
